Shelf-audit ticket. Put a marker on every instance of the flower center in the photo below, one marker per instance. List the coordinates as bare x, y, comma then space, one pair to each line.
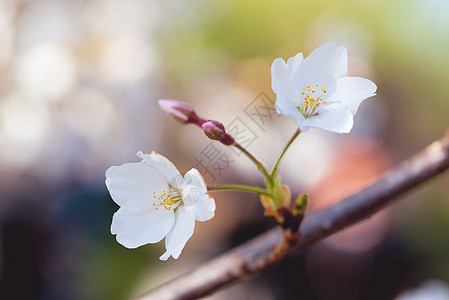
312, 101
169, 199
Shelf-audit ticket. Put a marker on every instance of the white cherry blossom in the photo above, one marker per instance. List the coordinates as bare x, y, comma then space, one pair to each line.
317, 92
156, 202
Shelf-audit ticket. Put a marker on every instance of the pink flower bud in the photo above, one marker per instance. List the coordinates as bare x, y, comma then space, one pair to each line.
216, 131
180, 111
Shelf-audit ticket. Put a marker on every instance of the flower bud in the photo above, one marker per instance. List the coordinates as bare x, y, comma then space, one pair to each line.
298, 211
180, 111
216, 131
269, 205
300, 206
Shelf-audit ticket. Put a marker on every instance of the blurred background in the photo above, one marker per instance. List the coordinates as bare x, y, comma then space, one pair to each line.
79, 84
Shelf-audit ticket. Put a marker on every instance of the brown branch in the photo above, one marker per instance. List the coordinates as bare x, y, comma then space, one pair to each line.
255, 256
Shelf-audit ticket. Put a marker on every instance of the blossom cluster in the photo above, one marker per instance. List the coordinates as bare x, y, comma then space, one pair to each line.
156, 201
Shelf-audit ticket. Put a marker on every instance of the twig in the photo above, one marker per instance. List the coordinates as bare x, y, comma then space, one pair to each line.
255, 256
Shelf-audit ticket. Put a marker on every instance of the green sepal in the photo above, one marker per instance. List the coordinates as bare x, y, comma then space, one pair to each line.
300, 206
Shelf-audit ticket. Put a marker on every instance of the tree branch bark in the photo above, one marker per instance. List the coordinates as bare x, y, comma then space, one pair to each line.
255, 255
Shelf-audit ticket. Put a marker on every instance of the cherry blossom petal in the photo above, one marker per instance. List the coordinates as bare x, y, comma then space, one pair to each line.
136, 229
307, 75
329, 58
166, 167
194, 188
204, 208
279, 74
336, 121
286, 107
351, 91
284, 75
293, 65
194, 178
180, 233
132, 185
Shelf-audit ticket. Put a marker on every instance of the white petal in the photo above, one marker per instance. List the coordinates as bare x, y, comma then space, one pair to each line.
132, 185
336, 121
194, 188
180, 233
307, 75
351, 91
204, 208
137, 229
162, 160
329, 58
279, 74
293, 64
166, 167
286, 107
284, 76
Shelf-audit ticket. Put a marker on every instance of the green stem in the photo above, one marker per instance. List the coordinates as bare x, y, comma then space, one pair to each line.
259, 165
236, 187
276, 167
